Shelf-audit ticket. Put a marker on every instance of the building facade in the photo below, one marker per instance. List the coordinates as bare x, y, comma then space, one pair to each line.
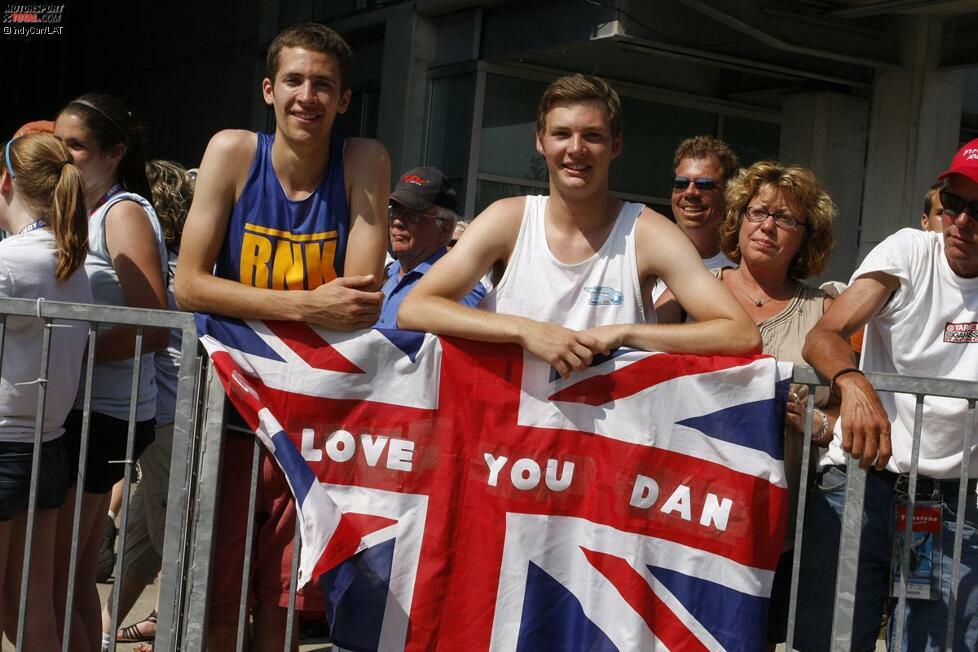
874, 96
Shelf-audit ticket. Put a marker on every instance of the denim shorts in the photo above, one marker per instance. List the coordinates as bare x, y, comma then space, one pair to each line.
15, 476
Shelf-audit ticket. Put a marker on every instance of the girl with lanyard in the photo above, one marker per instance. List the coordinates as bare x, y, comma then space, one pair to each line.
127, 267
42, 206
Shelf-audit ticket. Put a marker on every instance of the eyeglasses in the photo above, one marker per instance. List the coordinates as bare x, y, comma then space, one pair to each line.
757, 214
406, 215
955, 205
701, 183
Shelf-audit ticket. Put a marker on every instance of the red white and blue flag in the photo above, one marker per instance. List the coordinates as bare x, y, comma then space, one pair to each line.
455, 495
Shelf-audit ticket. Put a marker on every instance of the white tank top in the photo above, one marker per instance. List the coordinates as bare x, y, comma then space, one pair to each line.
604, 289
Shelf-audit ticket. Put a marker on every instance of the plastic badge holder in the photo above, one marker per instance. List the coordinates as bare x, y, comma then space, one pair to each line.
924, 577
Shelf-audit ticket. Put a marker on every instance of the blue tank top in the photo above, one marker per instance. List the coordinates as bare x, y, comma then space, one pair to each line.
275, 242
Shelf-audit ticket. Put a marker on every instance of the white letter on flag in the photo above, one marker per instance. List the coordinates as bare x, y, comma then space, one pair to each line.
679, 502
716, 512
645, 492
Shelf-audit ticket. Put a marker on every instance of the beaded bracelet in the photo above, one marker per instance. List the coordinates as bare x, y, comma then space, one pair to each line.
819, 435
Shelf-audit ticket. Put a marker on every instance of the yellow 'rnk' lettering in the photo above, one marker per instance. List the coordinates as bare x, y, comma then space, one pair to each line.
300, 261
320, 262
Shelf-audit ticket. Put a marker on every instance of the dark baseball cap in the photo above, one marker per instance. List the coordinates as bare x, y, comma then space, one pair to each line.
421, 188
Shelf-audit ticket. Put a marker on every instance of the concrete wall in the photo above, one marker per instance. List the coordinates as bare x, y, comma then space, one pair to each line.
827, 132
409, 49
914, 126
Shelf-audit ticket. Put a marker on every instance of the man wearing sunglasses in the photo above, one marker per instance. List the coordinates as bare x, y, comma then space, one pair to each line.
702, 166
422, 221
917, 293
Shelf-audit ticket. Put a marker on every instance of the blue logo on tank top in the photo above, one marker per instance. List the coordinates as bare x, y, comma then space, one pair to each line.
603, 296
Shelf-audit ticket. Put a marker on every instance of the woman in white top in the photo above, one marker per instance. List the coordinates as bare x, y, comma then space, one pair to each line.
127, 267
42, 206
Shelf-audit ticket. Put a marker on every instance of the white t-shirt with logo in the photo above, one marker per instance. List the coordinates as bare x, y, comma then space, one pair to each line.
929, 328
713, 262
604, 289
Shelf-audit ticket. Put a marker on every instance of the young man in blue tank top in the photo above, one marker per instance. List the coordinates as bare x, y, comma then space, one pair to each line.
578, 134
291, 226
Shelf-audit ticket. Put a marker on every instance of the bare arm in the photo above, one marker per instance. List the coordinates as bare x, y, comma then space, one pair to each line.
865, 424
722, 327
433, 303
341, 304
367, 171
131, 242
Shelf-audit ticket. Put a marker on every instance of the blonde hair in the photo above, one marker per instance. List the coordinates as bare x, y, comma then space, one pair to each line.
802, 188
581, 88
171, 192
47, 181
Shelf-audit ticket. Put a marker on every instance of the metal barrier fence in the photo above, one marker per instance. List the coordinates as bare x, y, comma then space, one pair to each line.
177, 536
849, 545
198, 447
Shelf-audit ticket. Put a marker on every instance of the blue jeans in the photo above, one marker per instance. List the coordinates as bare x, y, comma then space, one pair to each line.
926, 620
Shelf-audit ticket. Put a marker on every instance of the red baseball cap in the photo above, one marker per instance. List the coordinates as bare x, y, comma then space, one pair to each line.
965, 162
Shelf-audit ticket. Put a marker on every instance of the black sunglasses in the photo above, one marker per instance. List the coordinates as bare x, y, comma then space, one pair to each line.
701, 183
954, 205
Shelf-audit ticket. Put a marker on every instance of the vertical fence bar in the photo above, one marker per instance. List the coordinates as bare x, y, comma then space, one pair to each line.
42, 387
952, 603
849, 544
806, 452
248, 547
200, 553
179, 492
293, 584
3, 329
899, 621
79, 487
126, 484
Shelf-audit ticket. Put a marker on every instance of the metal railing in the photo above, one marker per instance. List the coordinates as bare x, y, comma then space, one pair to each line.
195, 480
849, 544
177, 537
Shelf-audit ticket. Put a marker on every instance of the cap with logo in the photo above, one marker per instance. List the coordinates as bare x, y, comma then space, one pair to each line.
965, 162
421, 188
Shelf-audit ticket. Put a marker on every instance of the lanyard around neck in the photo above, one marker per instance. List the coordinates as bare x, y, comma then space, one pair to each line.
116, 188
36, 224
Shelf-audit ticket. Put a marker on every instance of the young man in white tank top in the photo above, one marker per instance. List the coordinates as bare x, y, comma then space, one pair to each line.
574, 271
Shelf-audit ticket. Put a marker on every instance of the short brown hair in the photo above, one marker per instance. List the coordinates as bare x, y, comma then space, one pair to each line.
801, 186
315, 37
581, 88
700, 147
932, 194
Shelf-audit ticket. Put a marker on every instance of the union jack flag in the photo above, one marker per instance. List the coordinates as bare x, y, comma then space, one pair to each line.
455, 495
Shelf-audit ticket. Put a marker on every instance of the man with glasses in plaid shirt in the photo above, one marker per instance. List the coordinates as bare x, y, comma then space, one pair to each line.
917, 294
422, 220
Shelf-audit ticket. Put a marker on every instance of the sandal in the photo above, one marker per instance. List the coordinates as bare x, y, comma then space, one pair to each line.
133, 633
